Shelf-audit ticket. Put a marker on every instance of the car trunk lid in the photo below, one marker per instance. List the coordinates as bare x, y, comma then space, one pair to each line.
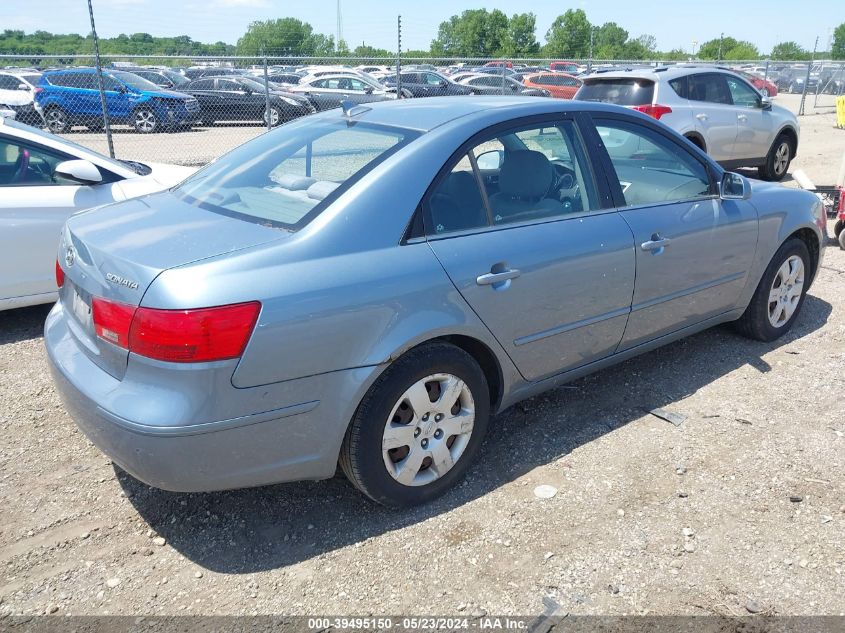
115, 252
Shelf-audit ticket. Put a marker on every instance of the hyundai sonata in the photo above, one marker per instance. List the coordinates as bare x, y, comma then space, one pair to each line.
366, 286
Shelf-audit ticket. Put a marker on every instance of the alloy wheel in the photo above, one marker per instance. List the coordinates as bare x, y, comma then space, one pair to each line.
428, 429
786, 290
56, 120
274, 117
145, 121
782, 158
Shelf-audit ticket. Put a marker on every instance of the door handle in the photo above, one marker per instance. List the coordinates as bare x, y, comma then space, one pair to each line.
701, 117
493, 278
742, 117
656, 244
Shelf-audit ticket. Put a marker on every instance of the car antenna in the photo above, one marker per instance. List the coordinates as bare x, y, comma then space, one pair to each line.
350, 109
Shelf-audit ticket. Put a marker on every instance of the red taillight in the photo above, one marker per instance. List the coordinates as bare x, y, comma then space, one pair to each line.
178, 336
60, 275
112, 321
656, 111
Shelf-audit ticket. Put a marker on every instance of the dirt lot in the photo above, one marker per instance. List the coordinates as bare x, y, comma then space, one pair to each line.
648, 517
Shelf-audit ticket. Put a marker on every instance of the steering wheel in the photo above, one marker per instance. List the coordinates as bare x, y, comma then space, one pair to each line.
21, 166
564, 180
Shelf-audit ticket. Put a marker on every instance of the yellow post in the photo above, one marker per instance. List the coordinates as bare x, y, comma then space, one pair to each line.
840, 112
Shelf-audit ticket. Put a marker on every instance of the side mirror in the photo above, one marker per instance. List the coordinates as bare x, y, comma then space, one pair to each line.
442, 83
368, 90
82, 171
734, 187
766, 103
23, 87
246, 90
490, 160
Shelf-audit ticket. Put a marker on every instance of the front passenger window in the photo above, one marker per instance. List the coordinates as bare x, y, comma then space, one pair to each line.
742, 94
652, 169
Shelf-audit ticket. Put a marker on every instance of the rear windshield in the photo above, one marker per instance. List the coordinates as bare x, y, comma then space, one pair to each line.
621, 91
286, 177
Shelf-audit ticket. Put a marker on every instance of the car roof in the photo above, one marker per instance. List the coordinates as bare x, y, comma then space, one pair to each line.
656, 74
426, 114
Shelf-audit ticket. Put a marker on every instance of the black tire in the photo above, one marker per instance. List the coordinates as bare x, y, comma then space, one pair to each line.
841, 238
406, 94
775, 169
755, 323
764, 91
837, 228
57, 120
361, 456
208, 122
145, 121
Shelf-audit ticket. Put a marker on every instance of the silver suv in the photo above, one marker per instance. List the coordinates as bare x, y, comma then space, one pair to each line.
714, 108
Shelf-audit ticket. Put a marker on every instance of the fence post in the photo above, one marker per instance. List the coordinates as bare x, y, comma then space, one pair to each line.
766, 74
804, 91
399, 57
503, 77
100, 81
267, 95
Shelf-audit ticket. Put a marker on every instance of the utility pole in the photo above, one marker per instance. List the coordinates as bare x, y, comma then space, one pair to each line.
100, 80
721, 37
399, 57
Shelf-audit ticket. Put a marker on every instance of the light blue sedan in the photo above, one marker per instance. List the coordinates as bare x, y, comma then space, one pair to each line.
367, 286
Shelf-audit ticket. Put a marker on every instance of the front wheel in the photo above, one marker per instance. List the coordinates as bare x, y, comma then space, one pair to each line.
57, 120
419, 427
275, 116
779, 295
777, 160
144, 121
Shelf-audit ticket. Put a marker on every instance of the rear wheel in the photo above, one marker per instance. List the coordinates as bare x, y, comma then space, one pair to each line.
779, 295
778, 159
837, 228
419, 427
841, 238
56, 119
144, 120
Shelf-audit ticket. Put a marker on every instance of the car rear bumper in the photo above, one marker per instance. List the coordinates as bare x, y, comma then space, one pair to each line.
289, 441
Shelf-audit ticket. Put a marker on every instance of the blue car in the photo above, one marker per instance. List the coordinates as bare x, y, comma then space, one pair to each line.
71, 97
366, 286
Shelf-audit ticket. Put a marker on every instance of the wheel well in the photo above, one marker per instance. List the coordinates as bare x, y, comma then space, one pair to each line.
696, 140
812, 243
485, 358
793, 139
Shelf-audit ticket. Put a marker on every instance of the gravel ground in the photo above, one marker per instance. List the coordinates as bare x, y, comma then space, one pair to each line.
740, 508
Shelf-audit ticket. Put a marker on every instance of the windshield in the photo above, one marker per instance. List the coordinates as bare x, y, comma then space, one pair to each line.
134, 81
252, 84
176, 78
285, 178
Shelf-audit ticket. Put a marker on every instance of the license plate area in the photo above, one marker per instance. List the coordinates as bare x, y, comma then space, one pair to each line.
80, 306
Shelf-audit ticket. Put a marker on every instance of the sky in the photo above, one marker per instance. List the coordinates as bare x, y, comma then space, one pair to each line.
675, 24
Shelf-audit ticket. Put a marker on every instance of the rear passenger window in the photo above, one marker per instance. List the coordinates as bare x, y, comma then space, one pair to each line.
708, 87
651, 169
533, 173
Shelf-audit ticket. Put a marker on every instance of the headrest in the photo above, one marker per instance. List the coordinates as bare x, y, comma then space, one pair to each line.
321, 189
294, 183
525, 174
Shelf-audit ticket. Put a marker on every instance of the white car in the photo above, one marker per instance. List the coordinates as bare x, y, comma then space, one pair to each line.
714, 108
17, 93
43, 180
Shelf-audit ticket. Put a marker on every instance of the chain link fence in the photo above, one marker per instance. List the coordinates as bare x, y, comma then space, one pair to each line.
190, 110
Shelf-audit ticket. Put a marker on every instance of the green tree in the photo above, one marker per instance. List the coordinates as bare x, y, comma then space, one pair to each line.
521, 40
675, 55
368, 51
609, 41
837, 51
742, 50
789, 51
569, 35
711, 48
285, 36
473, 33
